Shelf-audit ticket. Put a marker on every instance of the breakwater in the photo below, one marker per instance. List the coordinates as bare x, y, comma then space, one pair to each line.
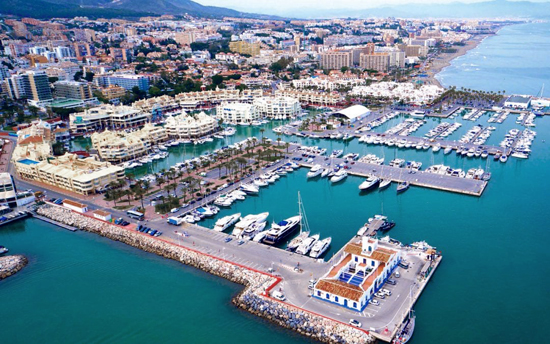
10, 265
253, 298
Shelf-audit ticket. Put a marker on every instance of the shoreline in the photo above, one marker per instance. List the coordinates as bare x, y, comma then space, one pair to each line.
444, 60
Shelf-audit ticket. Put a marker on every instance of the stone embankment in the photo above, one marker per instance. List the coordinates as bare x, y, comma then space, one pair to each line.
10, 265
253, 298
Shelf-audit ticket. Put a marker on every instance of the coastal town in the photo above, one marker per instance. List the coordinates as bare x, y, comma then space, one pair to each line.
153, 131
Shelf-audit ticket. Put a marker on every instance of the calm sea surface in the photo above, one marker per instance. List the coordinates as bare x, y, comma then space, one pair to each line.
492, 286
514, 60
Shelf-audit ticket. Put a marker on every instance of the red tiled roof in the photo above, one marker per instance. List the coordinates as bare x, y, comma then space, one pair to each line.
339, 288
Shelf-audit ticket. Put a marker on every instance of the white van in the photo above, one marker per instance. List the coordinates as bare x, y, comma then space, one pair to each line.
397, 274
385, 292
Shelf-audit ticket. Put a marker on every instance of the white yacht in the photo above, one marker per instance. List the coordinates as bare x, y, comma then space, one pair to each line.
325, 172
297, 241
250, 188
260, 182
320, 247
448, 150
281, 230
229, 131
370, 183
226, 222
338, 176
252, 230
307, 244
247, 221
315, 171
384, 183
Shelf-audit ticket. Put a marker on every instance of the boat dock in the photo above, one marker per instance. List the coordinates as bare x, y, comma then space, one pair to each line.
476, 135
472, 187
18, 215
373, 226
434, 142
59, 224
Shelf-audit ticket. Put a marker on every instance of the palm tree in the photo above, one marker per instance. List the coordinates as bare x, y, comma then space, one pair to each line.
262, 130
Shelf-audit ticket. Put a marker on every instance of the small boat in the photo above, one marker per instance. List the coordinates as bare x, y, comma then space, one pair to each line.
503, 158
407, 330
247, 221
386, 226
3, 250
338, 176
252, 230
320, 247
402, 187
226, 222
370, 183
384, 183
325, 172
260, 182
448, 150
259, 237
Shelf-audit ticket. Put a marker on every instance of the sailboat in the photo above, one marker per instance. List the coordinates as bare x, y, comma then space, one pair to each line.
406, 330
304, 233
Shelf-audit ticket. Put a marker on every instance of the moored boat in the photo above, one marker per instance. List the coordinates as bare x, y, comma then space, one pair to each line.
226, 222
402, 187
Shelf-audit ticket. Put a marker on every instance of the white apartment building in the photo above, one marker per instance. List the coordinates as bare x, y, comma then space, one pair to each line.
108, 117
237, 113
278, 107
83, 176
190, 125
312, 97
121, 146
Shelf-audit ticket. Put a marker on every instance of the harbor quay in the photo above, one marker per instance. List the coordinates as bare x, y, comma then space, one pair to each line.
272, 272
258, 284
473, 187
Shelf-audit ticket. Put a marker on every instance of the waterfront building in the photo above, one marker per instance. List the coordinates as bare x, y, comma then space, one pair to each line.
192, 100
352, 114
108, 117
336, 59
128, 81
237, 113
405, 91
518, 102
9, 197
243, 47
83, 176
360, 273
73, 90
122, 146
278, 107
190, 125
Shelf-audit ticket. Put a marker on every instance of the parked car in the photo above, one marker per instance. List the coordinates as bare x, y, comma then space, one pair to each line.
385, 292
228, 239
380, 295
391, 281
374, 302
355, 323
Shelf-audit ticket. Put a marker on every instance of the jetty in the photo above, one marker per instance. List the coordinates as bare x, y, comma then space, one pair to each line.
10, 265
472, 187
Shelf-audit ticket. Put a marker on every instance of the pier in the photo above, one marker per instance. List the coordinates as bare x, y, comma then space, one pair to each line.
262, 269
465, 186
17, 214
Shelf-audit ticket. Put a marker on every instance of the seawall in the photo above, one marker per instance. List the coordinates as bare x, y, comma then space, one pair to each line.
10, 265
253, 298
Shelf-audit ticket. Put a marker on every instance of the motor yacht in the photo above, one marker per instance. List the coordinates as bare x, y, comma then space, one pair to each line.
226, 222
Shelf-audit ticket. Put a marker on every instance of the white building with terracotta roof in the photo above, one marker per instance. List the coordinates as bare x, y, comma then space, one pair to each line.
360, 273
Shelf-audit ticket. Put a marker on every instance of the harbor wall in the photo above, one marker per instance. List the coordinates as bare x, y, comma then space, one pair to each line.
253, 298
10, 265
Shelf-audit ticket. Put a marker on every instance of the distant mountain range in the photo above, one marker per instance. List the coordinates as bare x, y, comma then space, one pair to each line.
135, 8
486, 9
114, 8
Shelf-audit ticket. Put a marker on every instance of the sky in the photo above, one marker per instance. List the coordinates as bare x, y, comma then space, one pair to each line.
286, 7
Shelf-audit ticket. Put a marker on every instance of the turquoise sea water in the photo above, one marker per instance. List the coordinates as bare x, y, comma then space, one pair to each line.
492, 285
514, 60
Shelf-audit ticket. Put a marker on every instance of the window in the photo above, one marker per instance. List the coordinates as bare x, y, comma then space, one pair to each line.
372, 263
336, 298
364, 261
318, 293
355, 305
357, 259
328, 296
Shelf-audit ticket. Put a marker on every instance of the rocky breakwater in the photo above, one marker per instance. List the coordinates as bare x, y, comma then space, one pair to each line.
10, 265
253, 297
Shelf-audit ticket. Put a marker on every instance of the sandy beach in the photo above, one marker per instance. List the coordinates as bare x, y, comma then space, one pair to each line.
444, 60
